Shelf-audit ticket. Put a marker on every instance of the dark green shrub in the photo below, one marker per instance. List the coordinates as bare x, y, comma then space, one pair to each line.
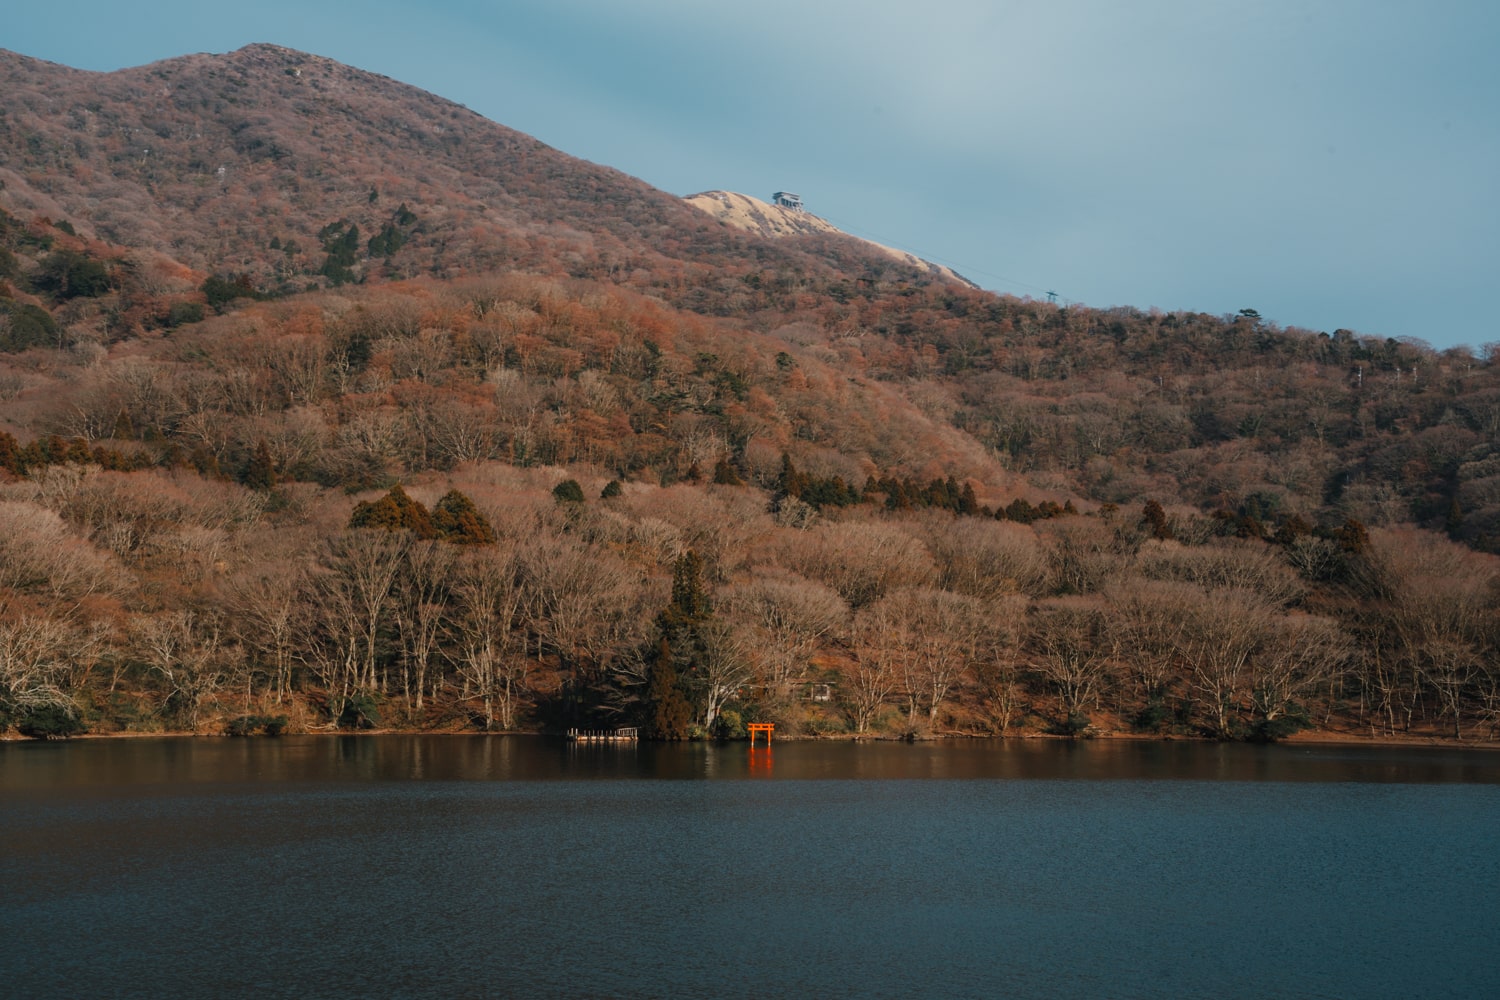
568, 491
1074, 726
68, 275
220, 291
360, 710
249, 725
184, 312
29, 326
49, 722
457, 520
1153, 717
729, 726
1279, 728
245, 725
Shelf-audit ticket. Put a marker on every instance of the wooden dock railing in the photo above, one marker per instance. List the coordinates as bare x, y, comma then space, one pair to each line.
626, 734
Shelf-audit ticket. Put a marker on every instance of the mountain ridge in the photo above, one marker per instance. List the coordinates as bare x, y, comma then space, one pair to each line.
269, 142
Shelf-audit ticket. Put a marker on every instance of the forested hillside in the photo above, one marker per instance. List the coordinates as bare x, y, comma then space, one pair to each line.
324, 402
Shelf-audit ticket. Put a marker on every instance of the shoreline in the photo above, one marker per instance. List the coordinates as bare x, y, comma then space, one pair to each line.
1310, 738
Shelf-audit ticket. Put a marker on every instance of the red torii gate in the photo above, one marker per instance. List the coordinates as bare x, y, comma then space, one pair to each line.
760, 727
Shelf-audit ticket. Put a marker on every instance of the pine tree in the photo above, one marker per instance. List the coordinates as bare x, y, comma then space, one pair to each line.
260, 471
689, 598
968, 503
725, 475
1155, 519
457, 520
791, 482
670, 711
10, 455
394, 512
568, 491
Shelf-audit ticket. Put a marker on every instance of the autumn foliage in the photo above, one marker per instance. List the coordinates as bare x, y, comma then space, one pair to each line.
386, 423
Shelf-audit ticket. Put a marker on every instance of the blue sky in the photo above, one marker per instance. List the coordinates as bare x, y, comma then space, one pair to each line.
1329, 163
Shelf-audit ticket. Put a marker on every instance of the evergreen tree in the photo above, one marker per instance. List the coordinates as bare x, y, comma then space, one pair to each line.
791, 482
968, 503
1020, 511
394, 512
568, 491
689, 598
1353, 536
681, 646
725, 475
10, 455
670, 712
260, 471
1154, 518
457, 520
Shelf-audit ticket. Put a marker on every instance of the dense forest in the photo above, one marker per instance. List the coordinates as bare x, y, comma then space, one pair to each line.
467, 434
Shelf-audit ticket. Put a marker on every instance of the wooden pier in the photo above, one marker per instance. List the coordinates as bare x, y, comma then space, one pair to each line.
628, 734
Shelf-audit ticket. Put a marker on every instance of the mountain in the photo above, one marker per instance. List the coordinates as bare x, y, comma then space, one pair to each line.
209, 158
323, 397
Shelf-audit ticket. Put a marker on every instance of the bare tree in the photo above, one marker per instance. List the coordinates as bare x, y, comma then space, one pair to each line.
1442, 602
1300, 653
1249, 566
420, 607
1223, 630
362, 565
1082, 554
580, 602
34, 652
998, 668
1069, 633
39, 554
723, 667
786, 619
1145, 621
183, 649
270, 617
985, 558
860, 561
487, 599
871, 676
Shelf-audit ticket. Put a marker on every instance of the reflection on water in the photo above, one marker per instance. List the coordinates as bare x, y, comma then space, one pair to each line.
175, 761
758, 762
429, 866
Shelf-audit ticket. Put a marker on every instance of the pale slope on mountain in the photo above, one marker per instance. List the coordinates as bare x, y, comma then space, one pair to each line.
773, 221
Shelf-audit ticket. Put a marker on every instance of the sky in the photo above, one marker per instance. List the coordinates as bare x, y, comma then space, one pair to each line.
1328, 163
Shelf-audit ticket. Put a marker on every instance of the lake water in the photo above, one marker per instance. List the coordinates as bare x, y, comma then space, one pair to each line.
522, 867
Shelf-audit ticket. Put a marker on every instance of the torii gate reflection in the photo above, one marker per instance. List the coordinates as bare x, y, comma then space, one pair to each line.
760, 760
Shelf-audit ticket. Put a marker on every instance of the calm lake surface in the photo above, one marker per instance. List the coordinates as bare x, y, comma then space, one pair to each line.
398, 866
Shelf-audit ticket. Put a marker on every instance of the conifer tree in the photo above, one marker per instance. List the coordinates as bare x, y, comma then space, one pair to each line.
457, 520
1155, 519
681, 627
670, 711
260, 471
725, 475
10, 455
568, 491
394, 512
